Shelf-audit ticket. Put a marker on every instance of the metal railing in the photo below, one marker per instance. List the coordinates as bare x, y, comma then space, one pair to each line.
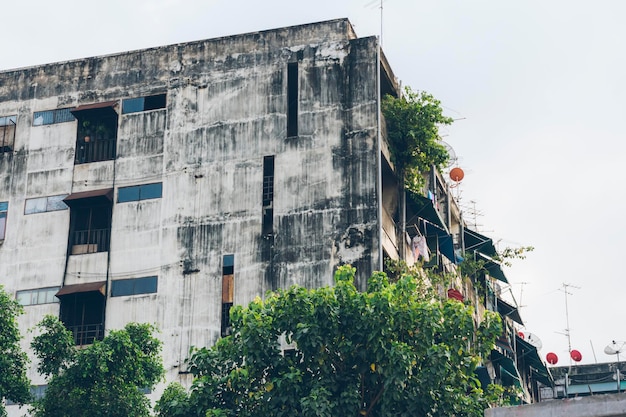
95, 150
90, 241
86, 334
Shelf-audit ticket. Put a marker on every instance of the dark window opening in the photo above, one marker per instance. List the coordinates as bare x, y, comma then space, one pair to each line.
139, 104
96, 138
228, 289
7, 133
139, 192
134, 286
268, 196
292, 99
90, 224
4, 208
83, 314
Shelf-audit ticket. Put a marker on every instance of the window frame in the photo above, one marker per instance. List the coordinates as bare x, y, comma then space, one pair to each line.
38, 292
4, 214
144, 103
50, 203
134, 192
54, 116
151, 281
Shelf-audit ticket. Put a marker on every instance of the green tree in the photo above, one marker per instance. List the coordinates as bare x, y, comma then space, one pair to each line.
103, 379
389, 351
413, 122
14, 384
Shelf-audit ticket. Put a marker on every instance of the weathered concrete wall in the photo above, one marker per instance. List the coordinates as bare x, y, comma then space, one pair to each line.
226, 110
610, 405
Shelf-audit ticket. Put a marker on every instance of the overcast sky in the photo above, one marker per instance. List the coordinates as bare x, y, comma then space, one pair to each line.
538, 87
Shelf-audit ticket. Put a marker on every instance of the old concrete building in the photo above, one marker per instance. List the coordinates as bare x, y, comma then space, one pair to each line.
164, 185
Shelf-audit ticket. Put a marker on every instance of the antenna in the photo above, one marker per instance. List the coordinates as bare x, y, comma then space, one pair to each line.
567, 329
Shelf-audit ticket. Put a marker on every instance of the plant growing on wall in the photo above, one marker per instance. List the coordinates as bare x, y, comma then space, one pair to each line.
413, 122
389, 351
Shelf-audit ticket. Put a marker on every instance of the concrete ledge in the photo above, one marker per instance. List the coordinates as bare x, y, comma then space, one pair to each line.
610, 405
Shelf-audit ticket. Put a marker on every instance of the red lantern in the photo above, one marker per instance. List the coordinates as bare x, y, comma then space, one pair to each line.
576, 355
552, 358
457, 174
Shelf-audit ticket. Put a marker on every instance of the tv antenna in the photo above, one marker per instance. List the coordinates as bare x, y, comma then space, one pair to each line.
567, 329
379, 5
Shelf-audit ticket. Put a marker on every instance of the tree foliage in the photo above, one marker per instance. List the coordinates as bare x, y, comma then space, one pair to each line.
103, 379
413, 122
388, 351
14, 384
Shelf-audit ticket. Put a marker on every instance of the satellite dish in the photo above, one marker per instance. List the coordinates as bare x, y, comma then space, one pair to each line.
452, 158
615, 348
532, 339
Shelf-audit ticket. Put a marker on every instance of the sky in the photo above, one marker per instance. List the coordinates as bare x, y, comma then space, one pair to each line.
537, 88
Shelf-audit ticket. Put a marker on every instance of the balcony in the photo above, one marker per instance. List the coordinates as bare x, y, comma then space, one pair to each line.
95, 150
90, 241
86, 334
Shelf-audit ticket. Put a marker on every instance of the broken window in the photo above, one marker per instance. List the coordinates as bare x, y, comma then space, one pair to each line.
45, 204
228, 286
139, 192
292, 99
139, 104
90, 221
96, 138
133, 286
82, 311
37, 296
49, 117
268, 196
4, 208
7, 133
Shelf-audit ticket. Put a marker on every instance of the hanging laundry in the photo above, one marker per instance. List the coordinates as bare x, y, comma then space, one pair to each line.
420, 248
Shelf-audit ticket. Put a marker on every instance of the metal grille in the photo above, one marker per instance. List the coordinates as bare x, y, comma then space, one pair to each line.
90, 241
96, 150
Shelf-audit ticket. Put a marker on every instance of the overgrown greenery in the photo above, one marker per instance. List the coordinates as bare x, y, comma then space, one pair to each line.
103, 379
14, 384
389, 351
413, 122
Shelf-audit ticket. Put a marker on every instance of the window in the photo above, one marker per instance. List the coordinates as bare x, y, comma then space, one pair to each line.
228, 284
37, 392
135, 105
4, 208
139, 192
292, 99
90, 221
7, 133
96, 133
37, 296
53, 116
268, 196
82, 311
134, 286
45, 204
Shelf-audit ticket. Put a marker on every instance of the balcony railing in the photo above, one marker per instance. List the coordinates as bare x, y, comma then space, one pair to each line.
86, 334
95, 150
90, 241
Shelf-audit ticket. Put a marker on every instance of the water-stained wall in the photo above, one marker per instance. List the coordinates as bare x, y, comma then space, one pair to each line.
227, 104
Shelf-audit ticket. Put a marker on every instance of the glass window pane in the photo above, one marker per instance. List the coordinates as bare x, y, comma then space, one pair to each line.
23, 297
121, 287
63, 115
3, 224
4, 206
55, 202
128, 194
132, 105
145, 285
154, 102
150, 191
35, 205
43, 118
